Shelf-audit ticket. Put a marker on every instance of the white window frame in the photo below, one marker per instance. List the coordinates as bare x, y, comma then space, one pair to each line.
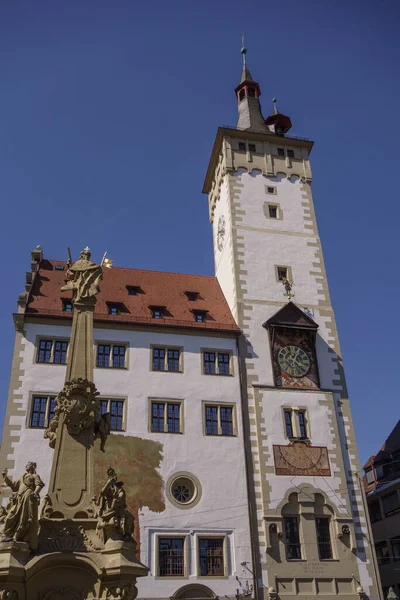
294, 410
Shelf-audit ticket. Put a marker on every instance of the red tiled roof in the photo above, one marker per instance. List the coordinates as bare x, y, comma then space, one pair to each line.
156, 288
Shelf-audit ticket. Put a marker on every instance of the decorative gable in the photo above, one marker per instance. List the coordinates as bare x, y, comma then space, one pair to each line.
291, 315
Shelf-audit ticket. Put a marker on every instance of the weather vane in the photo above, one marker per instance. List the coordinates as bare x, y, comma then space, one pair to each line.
243, 51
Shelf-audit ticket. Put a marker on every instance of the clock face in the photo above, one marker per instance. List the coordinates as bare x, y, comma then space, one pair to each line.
294, 361
221, 232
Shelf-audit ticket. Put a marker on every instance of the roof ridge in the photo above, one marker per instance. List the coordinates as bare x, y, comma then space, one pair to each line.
145, 270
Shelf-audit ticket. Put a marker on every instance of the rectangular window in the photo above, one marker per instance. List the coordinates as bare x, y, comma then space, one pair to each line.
281, 151
219, 419
114, 309
288, 423
166, 416
375, 511
395, 548
171, 560
252, 147
45, 351
111, 355
292, 538
273, 211
157, 312
217, 363
192, 296
42, 411
296, 423
370, 476
133, 290
52, 352
242, 146
271, 189
60, 352
382, 553
290, 153
323, 538
211, 557
116, 409
282, 273
390, 504
166, 359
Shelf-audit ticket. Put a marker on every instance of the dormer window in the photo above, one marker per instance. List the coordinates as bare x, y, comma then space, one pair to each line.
113, 309
192, 296
200, 315
157, 312
251, 92
133, 290
67, 305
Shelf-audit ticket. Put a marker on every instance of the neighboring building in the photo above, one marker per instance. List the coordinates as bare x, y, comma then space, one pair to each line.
210, 380
382, 485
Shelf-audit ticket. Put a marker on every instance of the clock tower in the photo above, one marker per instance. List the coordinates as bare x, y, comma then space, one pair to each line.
310, 529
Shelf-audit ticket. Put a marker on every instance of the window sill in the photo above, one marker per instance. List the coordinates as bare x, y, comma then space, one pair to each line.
51, 364
168, 432
115, 368
219, 435
171, 577
218, 374
166, 371
212, 576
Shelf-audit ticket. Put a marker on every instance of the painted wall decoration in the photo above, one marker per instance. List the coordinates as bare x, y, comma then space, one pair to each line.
301, 459
136, 462
295, 346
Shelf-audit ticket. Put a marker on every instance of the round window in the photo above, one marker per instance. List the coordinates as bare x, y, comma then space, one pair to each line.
183, 490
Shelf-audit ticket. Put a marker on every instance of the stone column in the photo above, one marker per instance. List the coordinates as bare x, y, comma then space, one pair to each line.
71, 432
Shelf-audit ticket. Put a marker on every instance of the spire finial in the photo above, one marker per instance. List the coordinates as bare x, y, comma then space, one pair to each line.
243, 50
276, 112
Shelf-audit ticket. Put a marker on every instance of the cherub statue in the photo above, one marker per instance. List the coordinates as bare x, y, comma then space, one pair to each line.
21, 520
102, 429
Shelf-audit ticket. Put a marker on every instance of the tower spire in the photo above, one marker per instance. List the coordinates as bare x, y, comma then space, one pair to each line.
248, 93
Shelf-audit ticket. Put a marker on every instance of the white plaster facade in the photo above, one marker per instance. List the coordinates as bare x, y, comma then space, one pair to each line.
254, 246
216, 461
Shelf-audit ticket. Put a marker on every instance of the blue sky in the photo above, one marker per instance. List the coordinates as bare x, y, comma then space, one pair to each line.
91, 91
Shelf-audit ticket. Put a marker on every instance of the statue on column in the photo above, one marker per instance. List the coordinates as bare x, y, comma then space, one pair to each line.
84, 277
20, 522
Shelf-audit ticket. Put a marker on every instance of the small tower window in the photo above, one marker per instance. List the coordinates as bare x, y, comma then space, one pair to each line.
241, 94
242, 146
281, 151
251, 92
273, 211
252, 147
290, 153
282, 273
271, 190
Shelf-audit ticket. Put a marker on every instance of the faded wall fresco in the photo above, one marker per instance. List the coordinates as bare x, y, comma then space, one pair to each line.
136, 462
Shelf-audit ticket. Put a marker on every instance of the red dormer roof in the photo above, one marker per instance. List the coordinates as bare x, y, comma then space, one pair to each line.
154, 288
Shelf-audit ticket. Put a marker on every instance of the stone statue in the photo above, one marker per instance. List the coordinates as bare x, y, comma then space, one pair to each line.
102, 429
51, 432
115, 521
83, 277
21, 520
